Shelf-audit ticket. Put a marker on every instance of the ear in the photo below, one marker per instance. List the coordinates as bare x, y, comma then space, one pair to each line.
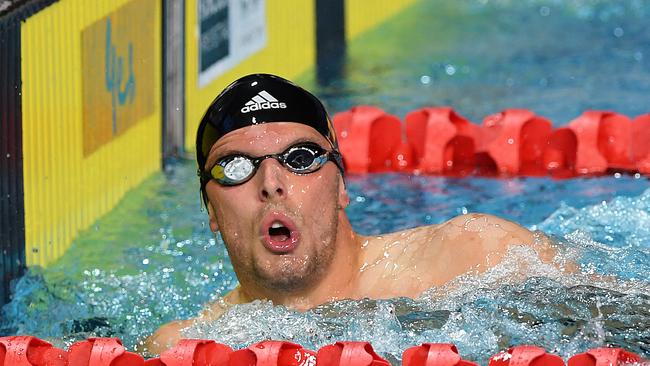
344, 199
213, 218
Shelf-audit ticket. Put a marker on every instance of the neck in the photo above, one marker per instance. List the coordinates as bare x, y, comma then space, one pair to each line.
339, 281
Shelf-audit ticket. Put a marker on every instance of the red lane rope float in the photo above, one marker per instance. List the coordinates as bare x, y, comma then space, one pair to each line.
604, 357
560, 153
443, 140
598, 140
641, 143
31, 351
357, 128
434, 354
272, 353
525, 356
190, 352
349, 354
515, 139
102, 352
404, 157
438, 140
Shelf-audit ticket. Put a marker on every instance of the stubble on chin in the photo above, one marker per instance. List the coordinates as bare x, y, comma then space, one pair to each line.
292, 273
295, 272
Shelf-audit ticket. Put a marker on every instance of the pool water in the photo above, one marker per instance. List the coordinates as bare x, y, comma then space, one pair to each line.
153, 259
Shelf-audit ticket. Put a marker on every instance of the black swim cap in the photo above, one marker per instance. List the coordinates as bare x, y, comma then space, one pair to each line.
256, 99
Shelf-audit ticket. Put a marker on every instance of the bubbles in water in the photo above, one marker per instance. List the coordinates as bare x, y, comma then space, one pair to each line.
425, 79
618, 32
450, 70
638, 56
544, 11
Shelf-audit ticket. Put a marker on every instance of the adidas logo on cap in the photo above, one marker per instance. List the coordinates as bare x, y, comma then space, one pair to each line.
263, 100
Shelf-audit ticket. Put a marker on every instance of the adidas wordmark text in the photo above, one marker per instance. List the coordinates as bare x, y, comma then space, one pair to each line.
263, 100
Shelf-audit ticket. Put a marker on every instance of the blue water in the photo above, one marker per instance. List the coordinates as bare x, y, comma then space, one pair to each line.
556, 58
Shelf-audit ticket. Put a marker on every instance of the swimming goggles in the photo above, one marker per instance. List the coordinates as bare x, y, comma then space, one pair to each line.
301, 158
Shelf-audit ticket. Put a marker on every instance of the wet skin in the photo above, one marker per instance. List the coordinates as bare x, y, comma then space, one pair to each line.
327, 260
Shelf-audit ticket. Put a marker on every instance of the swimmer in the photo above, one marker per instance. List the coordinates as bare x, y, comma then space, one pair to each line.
273, 183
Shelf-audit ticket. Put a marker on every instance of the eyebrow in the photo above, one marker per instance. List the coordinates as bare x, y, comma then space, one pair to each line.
294, 142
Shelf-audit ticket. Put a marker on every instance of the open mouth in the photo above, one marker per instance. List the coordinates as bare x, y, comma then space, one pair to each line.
279, 233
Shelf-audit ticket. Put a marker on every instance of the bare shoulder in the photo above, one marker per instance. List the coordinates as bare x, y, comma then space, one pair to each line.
480, 221
491, 229
484, 239
468, 224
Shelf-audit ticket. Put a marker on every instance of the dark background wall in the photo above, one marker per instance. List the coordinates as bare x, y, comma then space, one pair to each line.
12, 217
12, 225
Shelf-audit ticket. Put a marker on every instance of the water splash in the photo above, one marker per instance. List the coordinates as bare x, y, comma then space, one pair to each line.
520, 301
613, 237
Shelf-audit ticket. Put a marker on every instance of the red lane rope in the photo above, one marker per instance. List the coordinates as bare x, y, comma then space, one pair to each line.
514, 142
31, 351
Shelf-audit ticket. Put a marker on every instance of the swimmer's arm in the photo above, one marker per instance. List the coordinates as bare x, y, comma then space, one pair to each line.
168, 335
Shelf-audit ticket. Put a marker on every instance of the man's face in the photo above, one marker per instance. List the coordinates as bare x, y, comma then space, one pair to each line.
279, 227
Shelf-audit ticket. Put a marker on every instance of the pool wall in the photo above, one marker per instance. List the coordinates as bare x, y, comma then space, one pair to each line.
91, 116
86, 102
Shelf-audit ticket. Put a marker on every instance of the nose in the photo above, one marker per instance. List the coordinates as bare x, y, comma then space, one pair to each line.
272, 181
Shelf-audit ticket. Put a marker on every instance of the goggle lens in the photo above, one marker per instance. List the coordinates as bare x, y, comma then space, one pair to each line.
239, 168
303, 159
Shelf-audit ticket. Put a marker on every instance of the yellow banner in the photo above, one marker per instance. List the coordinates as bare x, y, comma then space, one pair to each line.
117, 73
